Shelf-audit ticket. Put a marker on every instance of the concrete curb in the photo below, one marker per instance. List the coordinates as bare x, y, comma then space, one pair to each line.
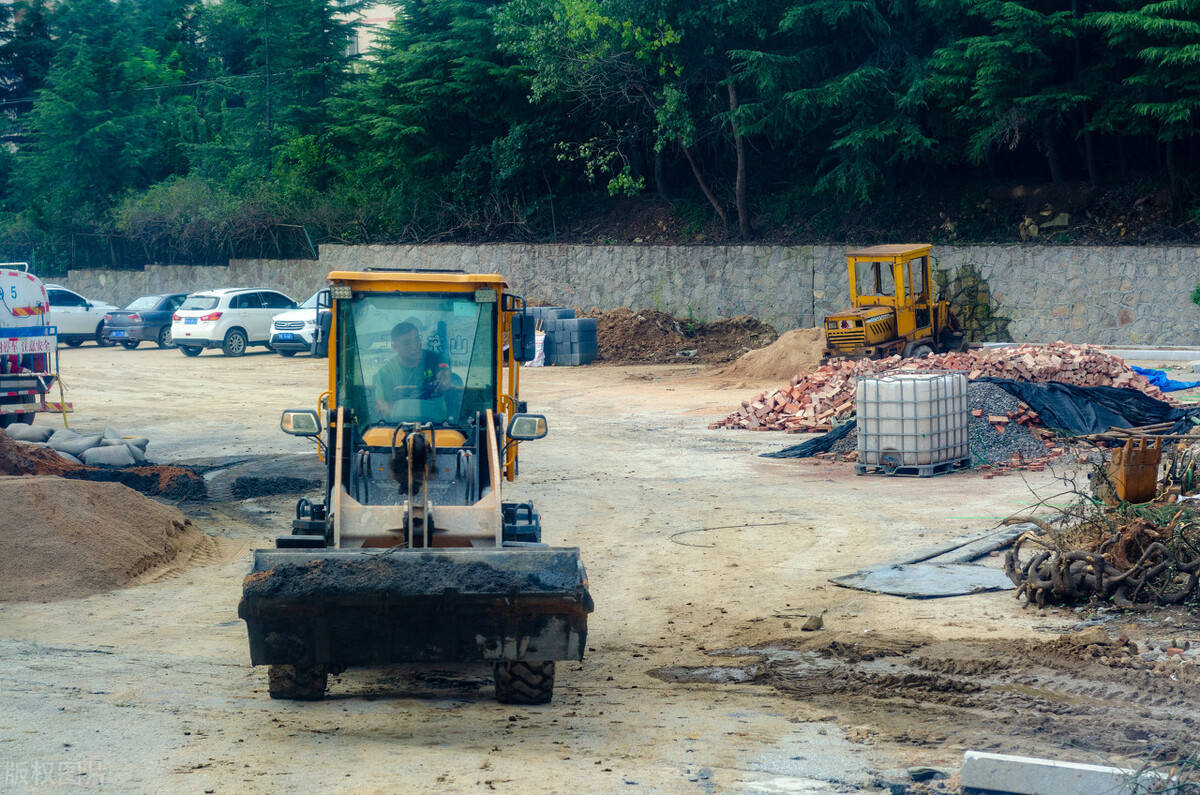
1025, 775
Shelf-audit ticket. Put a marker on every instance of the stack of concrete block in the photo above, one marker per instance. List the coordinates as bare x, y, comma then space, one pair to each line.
569, 340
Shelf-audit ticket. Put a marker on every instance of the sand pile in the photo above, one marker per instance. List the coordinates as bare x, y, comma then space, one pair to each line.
69, 538
797, 351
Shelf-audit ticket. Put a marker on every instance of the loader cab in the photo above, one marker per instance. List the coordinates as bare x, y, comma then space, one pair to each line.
423, 357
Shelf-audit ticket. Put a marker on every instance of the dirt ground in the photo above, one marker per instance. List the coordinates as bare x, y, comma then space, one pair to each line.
704, 562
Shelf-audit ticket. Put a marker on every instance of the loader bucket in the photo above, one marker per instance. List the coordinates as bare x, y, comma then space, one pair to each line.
343, 607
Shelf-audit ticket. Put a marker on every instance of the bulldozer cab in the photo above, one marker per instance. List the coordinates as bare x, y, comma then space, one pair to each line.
897, 277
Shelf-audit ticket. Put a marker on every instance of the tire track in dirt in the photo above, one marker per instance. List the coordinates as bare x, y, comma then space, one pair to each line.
1011, 696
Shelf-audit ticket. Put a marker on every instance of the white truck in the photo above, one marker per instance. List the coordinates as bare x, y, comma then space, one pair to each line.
28, 344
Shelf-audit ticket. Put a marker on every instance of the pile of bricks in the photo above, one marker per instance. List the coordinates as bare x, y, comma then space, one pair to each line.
809, 404
813, 401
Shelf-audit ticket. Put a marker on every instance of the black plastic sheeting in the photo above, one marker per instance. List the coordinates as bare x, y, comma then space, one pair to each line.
1094, 409
813, 446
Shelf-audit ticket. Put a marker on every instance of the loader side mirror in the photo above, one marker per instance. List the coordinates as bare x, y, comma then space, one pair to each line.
300, 422
527, 427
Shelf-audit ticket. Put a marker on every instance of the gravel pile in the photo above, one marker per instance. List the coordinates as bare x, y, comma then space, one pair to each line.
987, 445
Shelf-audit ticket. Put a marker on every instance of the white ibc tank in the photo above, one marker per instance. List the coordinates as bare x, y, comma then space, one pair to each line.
912, 419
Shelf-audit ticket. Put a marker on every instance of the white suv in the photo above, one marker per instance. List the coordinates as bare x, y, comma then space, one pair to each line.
294, 331
229, 319
77, 318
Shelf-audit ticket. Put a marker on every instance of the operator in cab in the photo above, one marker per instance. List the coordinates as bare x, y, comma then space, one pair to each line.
414, 374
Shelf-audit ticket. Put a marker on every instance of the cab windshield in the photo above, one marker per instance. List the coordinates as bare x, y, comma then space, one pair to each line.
416, 357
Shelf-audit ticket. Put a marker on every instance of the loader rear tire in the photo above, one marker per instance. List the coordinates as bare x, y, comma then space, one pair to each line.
524, 682
297, 682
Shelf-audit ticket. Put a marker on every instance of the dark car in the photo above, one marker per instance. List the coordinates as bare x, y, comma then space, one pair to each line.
146, 318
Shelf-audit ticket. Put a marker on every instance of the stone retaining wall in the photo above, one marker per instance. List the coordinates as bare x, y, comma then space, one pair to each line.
1106, 295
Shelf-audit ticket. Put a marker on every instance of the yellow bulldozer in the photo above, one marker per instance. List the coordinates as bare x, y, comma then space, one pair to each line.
413, 555
893, 307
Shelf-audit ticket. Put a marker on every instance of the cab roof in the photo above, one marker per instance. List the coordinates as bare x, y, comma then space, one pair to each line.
420, 277
892, 251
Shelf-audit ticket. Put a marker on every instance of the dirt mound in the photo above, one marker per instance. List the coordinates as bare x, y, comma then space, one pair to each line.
648, 336
20, 459
797, 351
171, 482
66, 538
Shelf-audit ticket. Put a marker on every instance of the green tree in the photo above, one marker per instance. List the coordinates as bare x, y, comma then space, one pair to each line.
657, 72
25, 53
1164, 86
264, 71
104, 122
441, 124
1010, 76
846, 84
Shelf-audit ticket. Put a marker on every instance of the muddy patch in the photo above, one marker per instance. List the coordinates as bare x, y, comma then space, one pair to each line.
261, 476
247, 486
169, 482
1003, 696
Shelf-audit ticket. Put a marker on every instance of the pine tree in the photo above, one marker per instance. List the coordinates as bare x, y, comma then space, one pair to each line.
1163, 86
1009, 75
103, 122
844, 88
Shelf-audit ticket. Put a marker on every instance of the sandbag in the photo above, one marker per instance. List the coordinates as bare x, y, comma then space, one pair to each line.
75, 446
61, 435
23, 432
139, 455
114, 456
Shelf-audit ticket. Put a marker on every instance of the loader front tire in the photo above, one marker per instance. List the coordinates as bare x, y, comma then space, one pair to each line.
524, 682
297, 682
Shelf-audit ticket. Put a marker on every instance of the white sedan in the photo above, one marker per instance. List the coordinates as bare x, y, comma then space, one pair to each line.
77, 318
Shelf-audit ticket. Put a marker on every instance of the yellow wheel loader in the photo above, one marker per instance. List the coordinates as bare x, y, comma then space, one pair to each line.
413, 555
893, 308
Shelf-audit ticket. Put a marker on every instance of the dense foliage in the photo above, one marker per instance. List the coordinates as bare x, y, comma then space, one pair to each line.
175, 130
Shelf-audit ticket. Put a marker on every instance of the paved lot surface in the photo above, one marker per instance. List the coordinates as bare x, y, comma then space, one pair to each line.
694, 547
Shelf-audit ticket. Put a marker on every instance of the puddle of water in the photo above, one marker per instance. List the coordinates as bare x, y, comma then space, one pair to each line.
712, 674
